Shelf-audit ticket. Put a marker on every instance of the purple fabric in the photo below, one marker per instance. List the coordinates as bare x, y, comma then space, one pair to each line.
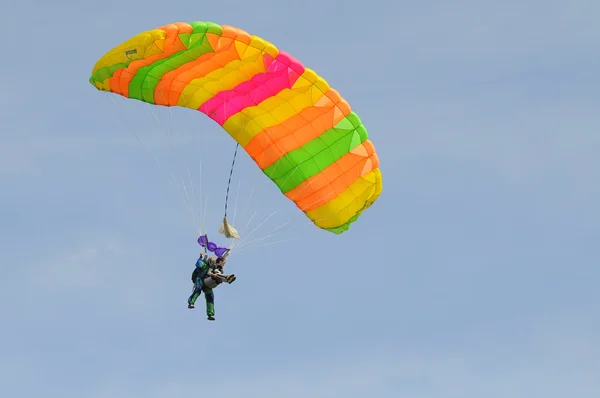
212, 247
220, 251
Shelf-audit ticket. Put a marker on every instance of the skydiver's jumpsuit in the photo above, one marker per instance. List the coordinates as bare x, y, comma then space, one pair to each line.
203, 268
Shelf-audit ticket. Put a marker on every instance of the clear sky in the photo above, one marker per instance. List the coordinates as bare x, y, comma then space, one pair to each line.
474, 275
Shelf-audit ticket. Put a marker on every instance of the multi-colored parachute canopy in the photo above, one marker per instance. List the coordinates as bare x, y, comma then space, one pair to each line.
300, 132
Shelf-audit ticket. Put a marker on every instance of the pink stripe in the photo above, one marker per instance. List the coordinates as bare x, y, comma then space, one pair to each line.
282, 72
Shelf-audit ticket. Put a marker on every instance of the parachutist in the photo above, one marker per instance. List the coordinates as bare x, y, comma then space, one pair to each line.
207, 275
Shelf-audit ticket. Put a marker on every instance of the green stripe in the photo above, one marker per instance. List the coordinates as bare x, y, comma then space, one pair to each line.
344, 227
143, 85
203, 27
315, 156
196, 38
104, 73
138, 85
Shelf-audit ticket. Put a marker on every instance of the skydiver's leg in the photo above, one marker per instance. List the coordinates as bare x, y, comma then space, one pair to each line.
195, 293
210, 303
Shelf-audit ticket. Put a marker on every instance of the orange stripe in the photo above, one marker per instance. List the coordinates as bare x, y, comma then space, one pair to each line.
225, 40
181, 27
271, 144
120, 82
335, 179
114, 80
175, 81
236, 34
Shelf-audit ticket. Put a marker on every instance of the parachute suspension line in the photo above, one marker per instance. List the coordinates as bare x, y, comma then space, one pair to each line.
124, 116
204, 215
199, 220
275, 232
177, 173
235, 244
200, 192
189, 201
289, 224
226, 229
230, 174
235, 210
244, 242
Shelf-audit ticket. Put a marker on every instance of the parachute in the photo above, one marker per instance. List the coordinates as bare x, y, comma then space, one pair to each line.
299, 131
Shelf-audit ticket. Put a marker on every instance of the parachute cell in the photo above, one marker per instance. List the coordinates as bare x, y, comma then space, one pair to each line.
300, 132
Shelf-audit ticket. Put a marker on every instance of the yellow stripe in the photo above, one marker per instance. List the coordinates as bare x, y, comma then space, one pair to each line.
306, 92
249, 50
354, 200
142, 43
200, 90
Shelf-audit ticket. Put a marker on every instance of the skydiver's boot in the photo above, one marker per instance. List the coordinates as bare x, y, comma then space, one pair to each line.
190, 305
211, 318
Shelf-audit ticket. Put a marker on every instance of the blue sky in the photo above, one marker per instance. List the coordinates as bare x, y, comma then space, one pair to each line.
475, 274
